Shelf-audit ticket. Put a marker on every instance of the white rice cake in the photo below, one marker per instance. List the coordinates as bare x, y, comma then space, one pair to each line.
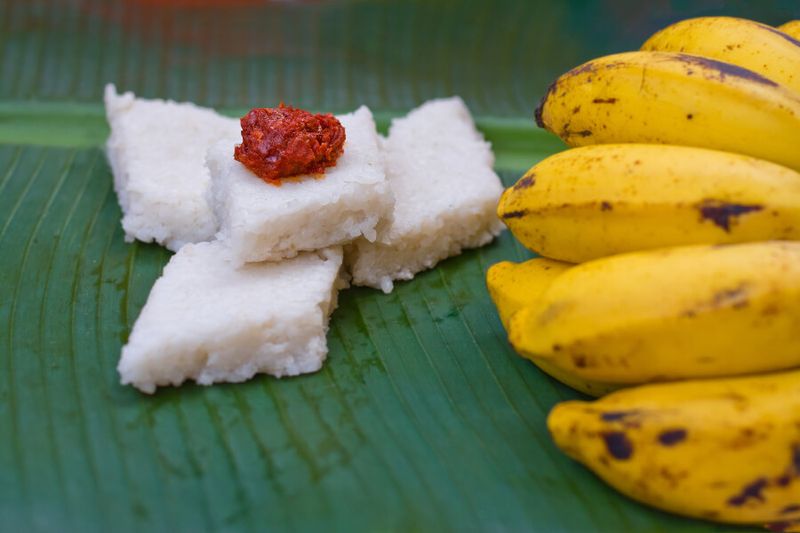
208, 321
157, 153
259, 221
440, 170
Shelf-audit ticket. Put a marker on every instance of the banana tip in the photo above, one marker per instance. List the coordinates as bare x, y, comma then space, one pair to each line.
537, 113
559, 425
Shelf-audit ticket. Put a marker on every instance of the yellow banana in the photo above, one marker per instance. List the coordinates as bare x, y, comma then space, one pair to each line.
670, 98
669, 314
601, 200
742, 42
512, 286
791, 28
726, 450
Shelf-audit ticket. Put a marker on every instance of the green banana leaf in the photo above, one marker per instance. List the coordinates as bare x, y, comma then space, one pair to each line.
423, 418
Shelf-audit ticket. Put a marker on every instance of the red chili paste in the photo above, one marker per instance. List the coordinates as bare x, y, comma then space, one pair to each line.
283, 141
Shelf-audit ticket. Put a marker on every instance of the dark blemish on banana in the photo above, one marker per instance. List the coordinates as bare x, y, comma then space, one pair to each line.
576, 109
783, 480
525, 182
604, 101
579, 361
726, 69
615, 416
556, 347
515, 214
689, 116
722, 213
586, 67
753, 491
671, 437
734, 297
583, 133
606, 206
793, 508
796, 458
618, 445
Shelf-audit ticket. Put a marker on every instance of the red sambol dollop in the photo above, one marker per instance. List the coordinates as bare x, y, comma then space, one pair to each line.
284, 141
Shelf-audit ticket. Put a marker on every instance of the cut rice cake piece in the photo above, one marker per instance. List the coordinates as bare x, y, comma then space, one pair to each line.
157, 154
440, 170
207, 321
260, 221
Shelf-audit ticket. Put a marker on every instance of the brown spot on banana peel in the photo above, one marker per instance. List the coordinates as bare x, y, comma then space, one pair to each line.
631, 419
722, 213
671, 437
588, 67
606, 206
618, 445
529, 180
734, 297
754, 490
751, 491
616, 416
515, 214
792, 508
604, 101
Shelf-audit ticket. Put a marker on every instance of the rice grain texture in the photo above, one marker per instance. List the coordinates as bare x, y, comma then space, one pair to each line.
208, 321
157, 154
439, 168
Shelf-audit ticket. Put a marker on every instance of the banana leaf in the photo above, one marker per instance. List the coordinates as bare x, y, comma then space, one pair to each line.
423, 418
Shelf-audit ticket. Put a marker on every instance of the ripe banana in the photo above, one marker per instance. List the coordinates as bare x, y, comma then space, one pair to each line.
726, 450
512, 286
669, 314
670, 98
742, 42
601, 200
791, 28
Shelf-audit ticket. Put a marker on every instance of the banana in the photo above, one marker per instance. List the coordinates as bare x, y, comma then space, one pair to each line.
742, 42
669, 314
601, 200
726, 450
791, 28
670, 98
512, 286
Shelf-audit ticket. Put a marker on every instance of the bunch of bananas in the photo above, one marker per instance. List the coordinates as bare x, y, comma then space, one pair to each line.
680, 202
